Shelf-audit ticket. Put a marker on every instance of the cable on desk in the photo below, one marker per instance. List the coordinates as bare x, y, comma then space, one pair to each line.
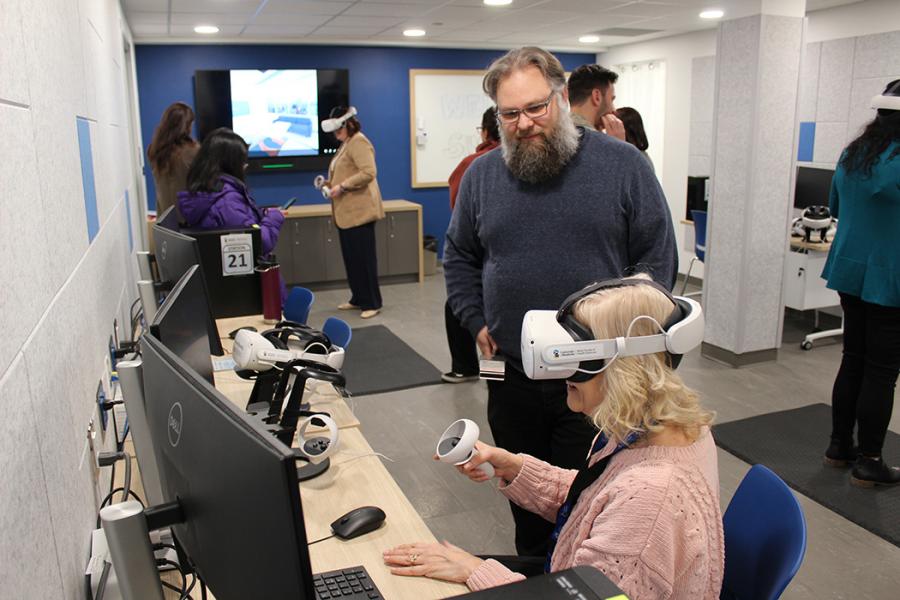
104, 576
358, 456
321, 540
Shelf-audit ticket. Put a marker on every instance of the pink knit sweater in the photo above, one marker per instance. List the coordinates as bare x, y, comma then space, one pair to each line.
651, 522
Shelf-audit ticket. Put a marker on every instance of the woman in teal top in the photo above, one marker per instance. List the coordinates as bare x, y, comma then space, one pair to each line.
864, 267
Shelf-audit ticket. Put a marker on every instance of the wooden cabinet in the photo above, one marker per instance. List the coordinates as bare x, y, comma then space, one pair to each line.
309, 248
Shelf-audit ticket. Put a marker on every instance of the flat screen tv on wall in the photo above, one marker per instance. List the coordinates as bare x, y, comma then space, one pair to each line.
277, 111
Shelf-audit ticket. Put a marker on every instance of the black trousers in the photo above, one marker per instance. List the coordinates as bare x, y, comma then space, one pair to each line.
463, 354
532, 417
361, 263
864, 388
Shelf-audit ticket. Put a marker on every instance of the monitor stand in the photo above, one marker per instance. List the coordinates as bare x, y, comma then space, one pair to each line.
310, 470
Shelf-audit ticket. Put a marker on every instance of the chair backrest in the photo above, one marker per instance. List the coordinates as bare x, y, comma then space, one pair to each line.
338, 331
699, 217
765, 537
297, 305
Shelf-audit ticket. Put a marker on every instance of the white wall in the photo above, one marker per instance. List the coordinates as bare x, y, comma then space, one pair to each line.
678, 52
851, 20
61, 59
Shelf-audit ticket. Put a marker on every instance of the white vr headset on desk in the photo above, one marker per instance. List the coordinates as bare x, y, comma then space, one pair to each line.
555, 346
254, 352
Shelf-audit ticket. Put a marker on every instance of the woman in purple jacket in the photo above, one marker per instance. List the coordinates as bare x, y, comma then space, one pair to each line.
217, 196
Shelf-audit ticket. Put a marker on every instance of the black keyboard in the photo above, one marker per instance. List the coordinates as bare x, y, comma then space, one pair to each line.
352, 582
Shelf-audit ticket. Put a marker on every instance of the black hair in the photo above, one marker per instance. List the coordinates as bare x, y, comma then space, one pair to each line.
634, 127
489, 124
352, 124
586, 78
223, 152
863, 152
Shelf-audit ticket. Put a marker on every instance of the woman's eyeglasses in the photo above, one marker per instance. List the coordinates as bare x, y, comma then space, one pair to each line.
535, 111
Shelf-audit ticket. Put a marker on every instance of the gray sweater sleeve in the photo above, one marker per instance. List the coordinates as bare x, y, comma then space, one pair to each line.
464, 261
651, 236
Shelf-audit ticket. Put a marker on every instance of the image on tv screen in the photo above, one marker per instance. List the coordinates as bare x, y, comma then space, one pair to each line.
276, 111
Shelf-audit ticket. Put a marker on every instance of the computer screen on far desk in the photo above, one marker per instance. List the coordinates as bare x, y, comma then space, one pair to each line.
237, 485
813, 187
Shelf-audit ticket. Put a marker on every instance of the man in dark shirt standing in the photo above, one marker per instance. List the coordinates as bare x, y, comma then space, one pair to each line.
557, 208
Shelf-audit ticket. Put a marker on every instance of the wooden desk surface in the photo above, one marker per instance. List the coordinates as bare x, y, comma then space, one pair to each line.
324, 397
324, 210
354, 481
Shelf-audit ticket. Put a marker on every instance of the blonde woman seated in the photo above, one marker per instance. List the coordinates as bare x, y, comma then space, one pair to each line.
650, 520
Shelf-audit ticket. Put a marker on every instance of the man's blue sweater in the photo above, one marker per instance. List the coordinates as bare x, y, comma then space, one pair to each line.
514, 246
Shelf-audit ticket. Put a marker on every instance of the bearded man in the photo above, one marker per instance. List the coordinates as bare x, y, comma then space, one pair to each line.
558, 208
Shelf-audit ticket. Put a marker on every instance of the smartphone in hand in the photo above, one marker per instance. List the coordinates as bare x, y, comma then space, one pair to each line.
288, 204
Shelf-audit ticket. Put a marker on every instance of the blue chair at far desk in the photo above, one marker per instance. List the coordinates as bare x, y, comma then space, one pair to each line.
765, 538
338, 331
297, 305
699, 217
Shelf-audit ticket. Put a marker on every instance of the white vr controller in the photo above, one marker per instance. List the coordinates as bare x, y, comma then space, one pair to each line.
319, 184
317, 449
457, 445
252, 351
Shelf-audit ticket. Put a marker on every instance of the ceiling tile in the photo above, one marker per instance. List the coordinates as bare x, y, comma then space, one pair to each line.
536, 18
638, 9
292, 20
146, 5
581, 6
148, 29
208, 19
148, 18
276, 31
348, 32
382, 22
320, 7
431, 2
246, 7
371, 9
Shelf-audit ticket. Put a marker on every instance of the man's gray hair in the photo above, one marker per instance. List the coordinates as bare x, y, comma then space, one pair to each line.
521, 58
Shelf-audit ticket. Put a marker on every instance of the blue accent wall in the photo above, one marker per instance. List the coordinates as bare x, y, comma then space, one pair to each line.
87, 177
379, 88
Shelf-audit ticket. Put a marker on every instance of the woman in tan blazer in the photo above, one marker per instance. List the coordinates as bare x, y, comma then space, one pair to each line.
171, 153
356, 205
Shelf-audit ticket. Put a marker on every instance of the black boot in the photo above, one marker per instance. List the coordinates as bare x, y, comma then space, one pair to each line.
868, 472
840, 453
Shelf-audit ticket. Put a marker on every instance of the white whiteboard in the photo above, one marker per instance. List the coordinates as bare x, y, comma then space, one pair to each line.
447, 106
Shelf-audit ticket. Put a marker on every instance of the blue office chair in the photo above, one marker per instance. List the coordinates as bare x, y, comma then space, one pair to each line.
765, 538
338, 331
297, 305
699, 217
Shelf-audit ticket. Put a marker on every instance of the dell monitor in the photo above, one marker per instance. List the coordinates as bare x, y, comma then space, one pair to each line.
243, 530
181, 321
175, 254
813, 187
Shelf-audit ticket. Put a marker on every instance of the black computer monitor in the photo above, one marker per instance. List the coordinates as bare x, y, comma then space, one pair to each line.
813, 187
180, 323
237, 486
175, 254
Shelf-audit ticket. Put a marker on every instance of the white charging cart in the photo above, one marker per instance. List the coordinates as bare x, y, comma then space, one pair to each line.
804, 288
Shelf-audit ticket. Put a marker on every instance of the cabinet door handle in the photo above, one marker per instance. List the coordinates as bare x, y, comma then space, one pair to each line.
392, 226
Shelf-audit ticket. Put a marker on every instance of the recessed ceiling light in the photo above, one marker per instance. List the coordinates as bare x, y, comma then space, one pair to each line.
413, 32
498, 2
713, 13
589, 39
207, 29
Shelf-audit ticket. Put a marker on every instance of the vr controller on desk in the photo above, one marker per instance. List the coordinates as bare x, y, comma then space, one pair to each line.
456, 445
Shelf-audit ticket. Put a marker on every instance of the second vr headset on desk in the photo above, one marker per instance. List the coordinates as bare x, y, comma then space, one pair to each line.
556, 346
261, 351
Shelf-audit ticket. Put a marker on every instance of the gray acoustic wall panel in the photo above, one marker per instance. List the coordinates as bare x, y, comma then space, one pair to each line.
877, 55
13, 76
835, 75
754, 132
809, 82
703, 81
28, 567
830, 140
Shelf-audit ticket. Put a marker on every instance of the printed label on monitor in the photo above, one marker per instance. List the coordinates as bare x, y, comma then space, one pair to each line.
237, 254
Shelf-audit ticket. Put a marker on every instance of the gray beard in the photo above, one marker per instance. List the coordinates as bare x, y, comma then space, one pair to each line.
534, 162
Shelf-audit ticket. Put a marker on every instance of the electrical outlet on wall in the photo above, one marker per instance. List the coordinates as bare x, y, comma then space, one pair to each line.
101, 400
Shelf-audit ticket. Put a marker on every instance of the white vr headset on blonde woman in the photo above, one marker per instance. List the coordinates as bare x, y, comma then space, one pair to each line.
330, 125
556, 346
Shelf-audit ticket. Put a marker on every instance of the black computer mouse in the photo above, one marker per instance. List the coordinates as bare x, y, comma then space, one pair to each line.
358, 521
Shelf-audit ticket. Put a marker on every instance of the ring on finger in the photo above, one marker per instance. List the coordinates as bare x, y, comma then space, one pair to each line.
413, 558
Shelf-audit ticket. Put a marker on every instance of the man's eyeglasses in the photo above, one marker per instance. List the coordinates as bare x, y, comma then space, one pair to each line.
535, 111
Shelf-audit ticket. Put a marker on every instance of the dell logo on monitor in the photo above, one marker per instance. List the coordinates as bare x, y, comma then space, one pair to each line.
175, 424
162, 250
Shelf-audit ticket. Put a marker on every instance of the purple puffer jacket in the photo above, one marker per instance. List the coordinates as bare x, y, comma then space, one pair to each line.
230, 207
